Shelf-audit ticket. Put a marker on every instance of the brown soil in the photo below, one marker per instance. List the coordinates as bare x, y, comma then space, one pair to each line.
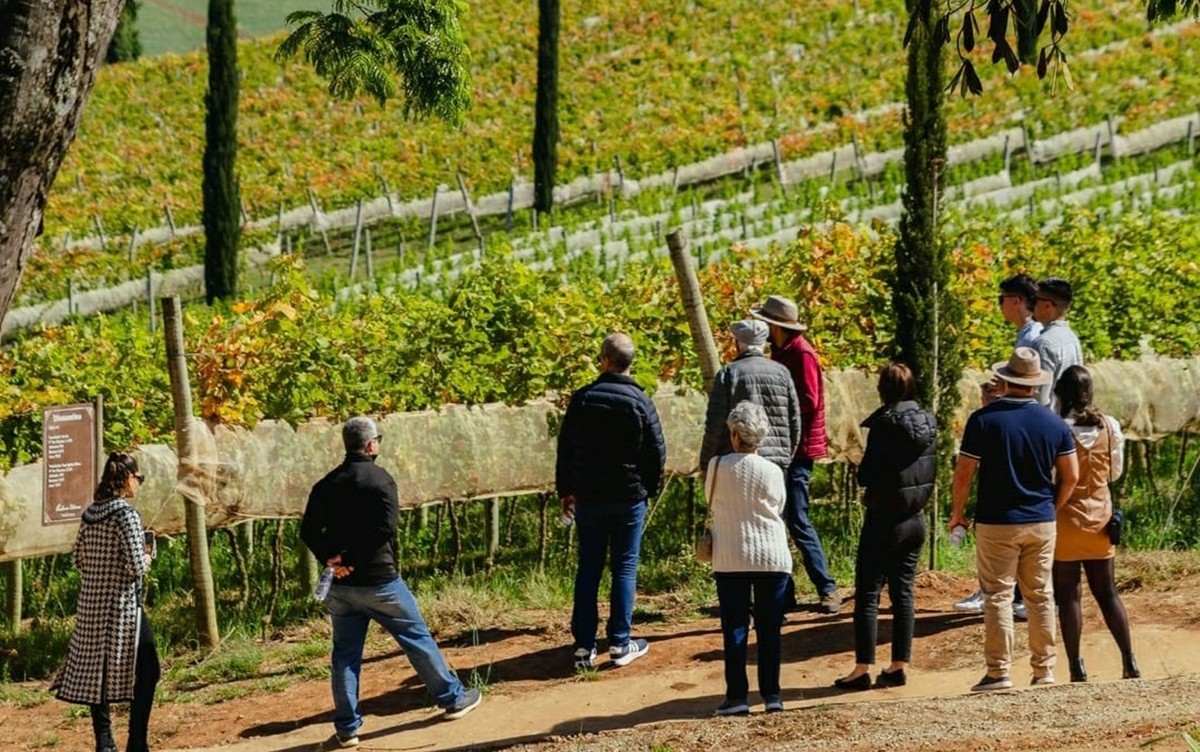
534, 701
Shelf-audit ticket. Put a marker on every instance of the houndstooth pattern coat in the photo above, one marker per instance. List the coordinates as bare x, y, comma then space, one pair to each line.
109, 554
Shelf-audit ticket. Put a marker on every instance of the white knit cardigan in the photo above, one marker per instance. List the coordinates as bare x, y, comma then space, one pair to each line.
747, 495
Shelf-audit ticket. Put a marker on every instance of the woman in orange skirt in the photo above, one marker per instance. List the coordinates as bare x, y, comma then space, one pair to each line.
1082, 524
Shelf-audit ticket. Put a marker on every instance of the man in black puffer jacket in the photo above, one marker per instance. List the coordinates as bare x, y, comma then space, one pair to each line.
897, 470
350, 525
611, 456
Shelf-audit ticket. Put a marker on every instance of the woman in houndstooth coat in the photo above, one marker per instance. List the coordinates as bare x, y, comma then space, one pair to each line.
111, 656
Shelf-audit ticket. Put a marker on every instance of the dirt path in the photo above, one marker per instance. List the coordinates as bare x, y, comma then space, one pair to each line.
664, 701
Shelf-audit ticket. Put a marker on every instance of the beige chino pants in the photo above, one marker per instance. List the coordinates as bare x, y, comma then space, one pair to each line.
1006, 555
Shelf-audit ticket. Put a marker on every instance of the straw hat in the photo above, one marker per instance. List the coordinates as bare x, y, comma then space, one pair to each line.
1024, 367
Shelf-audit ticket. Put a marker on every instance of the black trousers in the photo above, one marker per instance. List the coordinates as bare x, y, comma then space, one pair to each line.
145, 679
888, 550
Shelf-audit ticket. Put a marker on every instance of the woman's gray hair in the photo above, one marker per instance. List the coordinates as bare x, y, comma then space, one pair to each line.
748, 421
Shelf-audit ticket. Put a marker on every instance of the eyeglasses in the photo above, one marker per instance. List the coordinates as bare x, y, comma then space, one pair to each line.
378, 438
140, 478
1004, 296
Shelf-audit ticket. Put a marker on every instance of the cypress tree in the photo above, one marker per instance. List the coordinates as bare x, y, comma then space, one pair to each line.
1024, 19
126, 45
922, 262
545, 126
222, 210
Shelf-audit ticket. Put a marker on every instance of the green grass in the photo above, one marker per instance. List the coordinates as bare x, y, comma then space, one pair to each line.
22, 697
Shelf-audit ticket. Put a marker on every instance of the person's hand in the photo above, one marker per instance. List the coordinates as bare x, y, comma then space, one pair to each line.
148, 559
568, 504
956, 519
339, 570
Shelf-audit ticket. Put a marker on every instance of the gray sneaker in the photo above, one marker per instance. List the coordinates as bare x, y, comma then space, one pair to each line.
470, 700
630, 652
831, 602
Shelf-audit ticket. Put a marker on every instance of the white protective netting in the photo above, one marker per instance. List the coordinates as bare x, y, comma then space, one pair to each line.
462, 452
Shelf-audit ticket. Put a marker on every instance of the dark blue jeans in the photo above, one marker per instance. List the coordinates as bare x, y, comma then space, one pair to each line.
888, 550
735, 591
801, 528
613, 529
392, 606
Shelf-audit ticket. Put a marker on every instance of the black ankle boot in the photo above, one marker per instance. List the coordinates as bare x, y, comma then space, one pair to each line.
1078, 672
1129, 668
105, 742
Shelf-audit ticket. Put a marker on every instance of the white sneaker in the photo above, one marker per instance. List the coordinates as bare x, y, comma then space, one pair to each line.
1020, 612
585, 658
972, 604
1042, 681
627, 654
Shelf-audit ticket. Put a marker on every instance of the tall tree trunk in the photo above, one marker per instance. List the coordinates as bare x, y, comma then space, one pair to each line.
545, 126
49, 54
222, 210
126, 44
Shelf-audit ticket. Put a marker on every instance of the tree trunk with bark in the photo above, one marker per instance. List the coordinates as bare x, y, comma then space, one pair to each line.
545, 126
49, 54
222, 208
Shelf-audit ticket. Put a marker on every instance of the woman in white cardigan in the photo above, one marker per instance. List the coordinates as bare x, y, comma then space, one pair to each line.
751, 560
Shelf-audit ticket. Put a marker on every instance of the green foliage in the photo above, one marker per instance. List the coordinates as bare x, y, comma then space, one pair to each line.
126, 45
34, 653
421, 40
222, 205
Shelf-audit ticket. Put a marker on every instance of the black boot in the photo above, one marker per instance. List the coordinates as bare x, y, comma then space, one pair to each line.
1078, 672
1129, 668
102, 729
105, 742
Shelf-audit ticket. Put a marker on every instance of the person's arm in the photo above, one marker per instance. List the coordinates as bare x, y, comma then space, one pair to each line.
133, 545
1066, 475
312, 526
795, 419
564, 483
808, 387
654, 450
714, 418
960, 489
1049, 364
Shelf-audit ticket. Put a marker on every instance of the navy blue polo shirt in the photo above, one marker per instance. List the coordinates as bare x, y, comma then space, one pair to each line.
1017, 442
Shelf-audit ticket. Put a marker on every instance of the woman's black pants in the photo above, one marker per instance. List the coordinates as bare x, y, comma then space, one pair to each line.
888, 550
145, 679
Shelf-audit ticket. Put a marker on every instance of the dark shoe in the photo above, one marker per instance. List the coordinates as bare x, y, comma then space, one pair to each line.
774, 706
895, 678
734, 707
1078, 672
106, 743
831, 602
1129, 668
989, 683
857, 684
470, 700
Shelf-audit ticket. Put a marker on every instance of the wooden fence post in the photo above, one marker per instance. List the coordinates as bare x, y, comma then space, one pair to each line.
197, 527
693, 305
433, 218
13, 587
493, 544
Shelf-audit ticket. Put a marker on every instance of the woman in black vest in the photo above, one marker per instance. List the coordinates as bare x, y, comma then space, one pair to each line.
897, 471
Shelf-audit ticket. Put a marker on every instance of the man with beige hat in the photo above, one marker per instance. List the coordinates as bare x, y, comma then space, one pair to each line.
1025, 457
789, 347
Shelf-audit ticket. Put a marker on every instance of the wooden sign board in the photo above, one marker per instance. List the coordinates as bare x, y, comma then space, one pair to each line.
68, 462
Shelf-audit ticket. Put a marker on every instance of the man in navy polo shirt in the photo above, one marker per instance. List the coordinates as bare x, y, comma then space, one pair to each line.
1025, 457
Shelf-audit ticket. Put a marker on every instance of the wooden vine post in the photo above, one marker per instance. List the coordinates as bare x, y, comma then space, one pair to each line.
693, 305
13, 586
197, 526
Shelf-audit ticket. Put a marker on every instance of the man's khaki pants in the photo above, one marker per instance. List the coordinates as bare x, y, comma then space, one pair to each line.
1008, 554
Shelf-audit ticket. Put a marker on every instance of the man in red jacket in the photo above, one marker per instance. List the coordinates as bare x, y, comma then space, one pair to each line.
789, 347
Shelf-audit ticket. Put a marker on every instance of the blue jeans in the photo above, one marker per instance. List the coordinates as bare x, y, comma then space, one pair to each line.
801, 528
734, 595
392, 606
613, 528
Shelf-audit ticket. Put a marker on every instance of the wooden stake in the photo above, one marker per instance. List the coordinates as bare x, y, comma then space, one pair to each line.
693, 304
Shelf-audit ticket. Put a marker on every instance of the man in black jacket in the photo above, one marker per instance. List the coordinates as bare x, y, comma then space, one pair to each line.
350, 524
611, 456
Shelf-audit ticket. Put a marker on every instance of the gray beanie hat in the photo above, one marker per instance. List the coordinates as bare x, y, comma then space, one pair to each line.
750, 332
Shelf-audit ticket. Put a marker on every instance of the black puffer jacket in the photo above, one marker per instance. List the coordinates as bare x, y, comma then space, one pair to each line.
755, 377
610, 447
900, 462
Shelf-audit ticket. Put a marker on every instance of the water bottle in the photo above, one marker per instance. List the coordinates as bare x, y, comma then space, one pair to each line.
958, 535
323, 584
568, 517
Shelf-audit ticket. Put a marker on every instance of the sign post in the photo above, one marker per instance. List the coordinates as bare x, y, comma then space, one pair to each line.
69, 466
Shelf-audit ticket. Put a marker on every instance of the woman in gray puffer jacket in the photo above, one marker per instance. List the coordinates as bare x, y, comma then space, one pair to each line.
897, 471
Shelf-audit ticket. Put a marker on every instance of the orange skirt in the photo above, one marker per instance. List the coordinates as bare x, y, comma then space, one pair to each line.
1073, 544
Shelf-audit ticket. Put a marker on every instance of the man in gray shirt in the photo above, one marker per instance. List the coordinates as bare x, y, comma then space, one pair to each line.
1058, 347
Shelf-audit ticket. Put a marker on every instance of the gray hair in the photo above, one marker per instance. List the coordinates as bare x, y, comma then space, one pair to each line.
358, 432
748, 421
618, 348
